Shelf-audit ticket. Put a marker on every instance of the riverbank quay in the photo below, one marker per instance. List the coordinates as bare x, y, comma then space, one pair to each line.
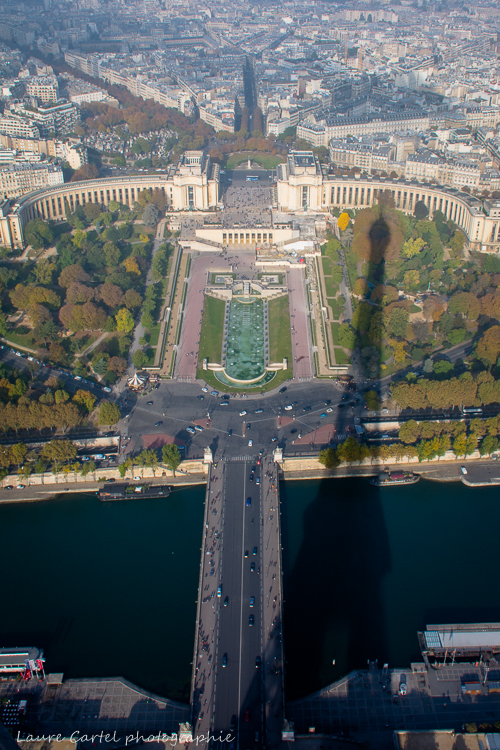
35, 493
481, 472
367, 703
82, 707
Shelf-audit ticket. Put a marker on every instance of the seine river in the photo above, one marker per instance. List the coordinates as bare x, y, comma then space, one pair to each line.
109, 589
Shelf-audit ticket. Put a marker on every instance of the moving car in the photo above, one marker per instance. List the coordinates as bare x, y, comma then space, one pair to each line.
259, 411
288, 407
204, 389
247, 715
257, 662
249, 501
214, 393
252, 601
282, 390
224, 660
274, 440
254, 551
158, 424
226, 601
198, 428
251, 620
307, 408
242, 413
246, 553
463, 470
200, 397
149, 403
257, 480
322, 416
191, 430
250, 443
252, 567
219, 591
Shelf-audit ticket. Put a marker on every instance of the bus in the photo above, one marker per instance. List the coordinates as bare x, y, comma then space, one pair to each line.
471, 410
252, 178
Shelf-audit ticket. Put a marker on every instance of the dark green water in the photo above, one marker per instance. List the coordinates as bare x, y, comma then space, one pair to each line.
110, 588
105, 588
364, 569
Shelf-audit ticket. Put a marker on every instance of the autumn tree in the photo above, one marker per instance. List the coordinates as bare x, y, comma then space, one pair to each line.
110, 294
361, 287
412, 247
124, 321
84, 399
464, 303
71, 274
488, 346
343, 221
131, 266
109, 414
59, 451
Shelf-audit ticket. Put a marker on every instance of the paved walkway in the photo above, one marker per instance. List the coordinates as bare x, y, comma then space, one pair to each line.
206, 638
194, 305
109, 704
303, 366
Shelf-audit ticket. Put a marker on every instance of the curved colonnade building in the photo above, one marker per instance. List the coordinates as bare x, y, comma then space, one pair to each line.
191, 184
303, 184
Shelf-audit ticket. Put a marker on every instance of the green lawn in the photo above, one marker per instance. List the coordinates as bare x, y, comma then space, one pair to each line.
335, 333
211, 330
331, 286
267, 161
341, 358
151, 352
351, 261
24, 340
140, 229
280, 341
155, 332
337, 307
327, 266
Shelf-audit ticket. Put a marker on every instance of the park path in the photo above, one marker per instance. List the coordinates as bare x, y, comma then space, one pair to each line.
139, 328
187, 362
303, 367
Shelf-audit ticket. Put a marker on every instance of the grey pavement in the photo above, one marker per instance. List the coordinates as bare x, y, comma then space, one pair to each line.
368, 701
94, 705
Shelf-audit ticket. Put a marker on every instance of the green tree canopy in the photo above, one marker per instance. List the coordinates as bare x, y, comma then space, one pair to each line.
171, 456
109, 414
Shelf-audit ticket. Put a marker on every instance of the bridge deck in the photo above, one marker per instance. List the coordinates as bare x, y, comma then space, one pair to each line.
241, 554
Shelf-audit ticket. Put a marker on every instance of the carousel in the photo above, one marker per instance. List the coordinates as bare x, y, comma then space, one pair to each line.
137, 382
